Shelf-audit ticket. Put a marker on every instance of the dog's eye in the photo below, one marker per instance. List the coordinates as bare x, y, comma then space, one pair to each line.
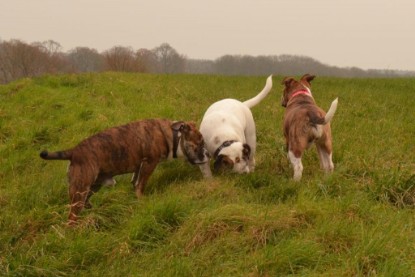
237, 160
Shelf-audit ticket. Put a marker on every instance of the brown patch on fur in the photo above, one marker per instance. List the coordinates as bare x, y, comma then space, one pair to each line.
223, 162
136, 148
246, 151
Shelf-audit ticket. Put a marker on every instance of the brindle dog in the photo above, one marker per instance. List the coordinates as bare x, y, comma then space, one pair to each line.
136, 148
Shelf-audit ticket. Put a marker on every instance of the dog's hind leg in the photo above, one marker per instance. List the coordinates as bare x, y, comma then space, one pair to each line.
141, 176
324, 149
297, 165
326, 161
80, 181
100, 181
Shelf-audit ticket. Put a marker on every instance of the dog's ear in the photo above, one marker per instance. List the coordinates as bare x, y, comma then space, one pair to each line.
246, 151
181, 126
287, 81
222, 161
178, 125
308, 78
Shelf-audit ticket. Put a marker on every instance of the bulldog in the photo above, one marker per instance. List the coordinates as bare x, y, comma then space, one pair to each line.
305, 123
136, 148
228, 129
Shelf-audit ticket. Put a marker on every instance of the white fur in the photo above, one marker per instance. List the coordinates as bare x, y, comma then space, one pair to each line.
297, 165
331, 111
231, 119
326, 161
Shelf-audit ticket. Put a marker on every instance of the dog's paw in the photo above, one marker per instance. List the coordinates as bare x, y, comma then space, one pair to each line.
109, 182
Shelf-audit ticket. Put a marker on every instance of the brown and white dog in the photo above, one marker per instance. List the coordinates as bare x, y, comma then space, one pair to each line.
305, 123
136, 148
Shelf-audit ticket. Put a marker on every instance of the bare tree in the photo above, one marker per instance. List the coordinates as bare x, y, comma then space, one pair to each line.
57, 61
84, 59
19, 59
120, 58
147, 60
169, 60
226, 65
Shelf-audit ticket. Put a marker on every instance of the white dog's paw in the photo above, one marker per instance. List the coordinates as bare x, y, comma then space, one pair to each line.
109, 182
206, 172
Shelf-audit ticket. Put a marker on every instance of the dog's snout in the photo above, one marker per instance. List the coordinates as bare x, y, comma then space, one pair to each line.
203, 155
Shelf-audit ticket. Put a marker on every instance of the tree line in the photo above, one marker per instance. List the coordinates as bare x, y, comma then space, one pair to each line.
19, 59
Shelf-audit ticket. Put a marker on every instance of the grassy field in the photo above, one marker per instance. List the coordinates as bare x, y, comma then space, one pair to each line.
358, 221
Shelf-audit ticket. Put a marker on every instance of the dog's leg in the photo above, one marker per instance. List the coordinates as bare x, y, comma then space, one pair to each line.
101, 180
141, 176
250, 136
135, 177
322, 158
205, 168
92, 191
326, 161
324, 150
80, 181
297, 165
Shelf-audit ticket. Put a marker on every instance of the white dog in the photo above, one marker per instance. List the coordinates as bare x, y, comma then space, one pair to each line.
228, 129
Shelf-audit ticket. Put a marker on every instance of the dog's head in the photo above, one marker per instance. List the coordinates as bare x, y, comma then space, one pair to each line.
234, 157
191, 142
292, 86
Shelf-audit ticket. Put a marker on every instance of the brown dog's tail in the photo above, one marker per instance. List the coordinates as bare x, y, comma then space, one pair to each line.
315, 119
59, 155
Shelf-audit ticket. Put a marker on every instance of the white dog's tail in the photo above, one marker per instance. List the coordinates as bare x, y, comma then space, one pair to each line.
254, 101
331, 111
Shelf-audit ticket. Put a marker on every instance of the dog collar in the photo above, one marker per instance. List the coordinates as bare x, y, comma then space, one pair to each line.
176, 140
223, 145
304, 92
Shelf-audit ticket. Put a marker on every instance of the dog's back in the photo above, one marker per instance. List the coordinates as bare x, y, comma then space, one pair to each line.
120, 149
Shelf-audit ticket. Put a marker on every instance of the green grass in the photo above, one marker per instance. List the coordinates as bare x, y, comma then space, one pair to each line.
358, 221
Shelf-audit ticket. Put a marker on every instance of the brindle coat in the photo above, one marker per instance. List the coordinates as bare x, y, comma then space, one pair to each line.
136, 148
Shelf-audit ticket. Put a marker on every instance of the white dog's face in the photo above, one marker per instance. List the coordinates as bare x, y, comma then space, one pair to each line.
235, 157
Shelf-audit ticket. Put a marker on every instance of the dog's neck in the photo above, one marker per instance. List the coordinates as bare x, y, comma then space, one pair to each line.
302, 92
223, 145
306, 91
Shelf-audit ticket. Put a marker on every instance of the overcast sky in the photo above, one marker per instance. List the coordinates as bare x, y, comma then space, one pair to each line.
364, 33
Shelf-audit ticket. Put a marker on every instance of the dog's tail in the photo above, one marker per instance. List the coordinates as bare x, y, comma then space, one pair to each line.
254, 101
329, 115
59, 155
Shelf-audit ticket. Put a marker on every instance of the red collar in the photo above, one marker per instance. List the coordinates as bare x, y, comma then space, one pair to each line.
305, 92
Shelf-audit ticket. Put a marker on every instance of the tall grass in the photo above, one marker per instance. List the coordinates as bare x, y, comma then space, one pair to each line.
358, 221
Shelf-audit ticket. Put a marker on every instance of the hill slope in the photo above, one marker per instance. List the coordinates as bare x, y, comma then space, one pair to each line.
357, 221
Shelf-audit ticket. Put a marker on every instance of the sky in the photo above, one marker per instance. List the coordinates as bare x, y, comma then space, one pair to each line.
369, 34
